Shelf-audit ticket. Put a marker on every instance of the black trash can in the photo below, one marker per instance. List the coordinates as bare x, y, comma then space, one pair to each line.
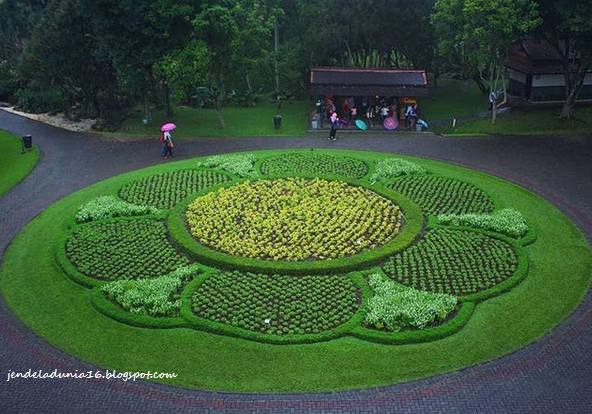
28, 141
277, 121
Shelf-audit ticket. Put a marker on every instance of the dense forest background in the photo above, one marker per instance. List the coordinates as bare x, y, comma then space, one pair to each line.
98, 58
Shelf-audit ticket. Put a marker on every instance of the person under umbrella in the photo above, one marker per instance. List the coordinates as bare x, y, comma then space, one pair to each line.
167, 140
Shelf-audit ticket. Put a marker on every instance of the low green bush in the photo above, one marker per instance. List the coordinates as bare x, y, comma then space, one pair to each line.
155, 297
395, 167
106, 207
242, 165
507, 221
396, 307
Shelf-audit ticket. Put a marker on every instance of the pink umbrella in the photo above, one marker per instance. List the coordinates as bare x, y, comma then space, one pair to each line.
390, 123
168, 127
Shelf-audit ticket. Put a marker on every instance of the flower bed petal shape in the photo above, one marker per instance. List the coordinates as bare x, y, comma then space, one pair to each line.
441, 195
122, 249
311, 163
168, 189
454, 261
276, 305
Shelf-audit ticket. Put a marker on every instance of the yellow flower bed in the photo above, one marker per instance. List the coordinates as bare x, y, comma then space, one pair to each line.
293, 219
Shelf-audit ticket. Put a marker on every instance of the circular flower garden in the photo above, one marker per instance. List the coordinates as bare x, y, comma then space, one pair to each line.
266, 250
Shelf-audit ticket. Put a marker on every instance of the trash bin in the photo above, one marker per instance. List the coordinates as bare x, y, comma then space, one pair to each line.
277, 121
418, 127
315, 124
28, 141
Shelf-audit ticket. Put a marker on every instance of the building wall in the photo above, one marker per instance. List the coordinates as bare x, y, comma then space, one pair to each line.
516, 76
545, 87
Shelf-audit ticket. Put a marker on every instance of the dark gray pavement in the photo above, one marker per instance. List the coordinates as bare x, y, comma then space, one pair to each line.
552, 375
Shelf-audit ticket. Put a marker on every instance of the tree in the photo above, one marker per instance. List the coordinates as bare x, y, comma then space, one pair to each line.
136, 35
481, 33
567, 25
62, 53
237, 33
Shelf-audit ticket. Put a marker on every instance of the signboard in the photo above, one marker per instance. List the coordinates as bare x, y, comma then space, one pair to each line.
408, 100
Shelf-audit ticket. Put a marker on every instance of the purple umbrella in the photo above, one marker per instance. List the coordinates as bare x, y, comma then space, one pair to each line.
168, 127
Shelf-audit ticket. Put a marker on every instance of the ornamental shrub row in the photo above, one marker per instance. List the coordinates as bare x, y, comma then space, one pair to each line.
507, 221
106, 207
167, 190
457, 262
395, 167
314, 164
396, 307
155, 297
123, 249
242, 165
440, 195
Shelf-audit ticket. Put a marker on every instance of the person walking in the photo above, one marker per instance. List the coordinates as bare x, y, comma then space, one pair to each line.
167, 145
334, 125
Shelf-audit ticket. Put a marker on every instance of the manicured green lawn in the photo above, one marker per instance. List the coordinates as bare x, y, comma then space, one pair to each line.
535, 121
240, 121
14, 166
452, 99
59, 310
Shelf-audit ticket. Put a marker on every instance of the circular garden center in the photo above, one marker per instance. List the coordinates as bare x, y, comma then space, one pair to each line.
319, 270
293, 219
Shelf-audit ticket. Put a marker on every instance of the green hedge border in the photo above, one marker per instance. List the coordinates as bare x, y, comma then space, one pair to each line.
186, 243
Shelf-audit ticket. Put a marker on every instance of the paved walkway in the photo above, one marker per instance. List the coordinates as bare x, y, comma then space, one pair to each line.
553, 374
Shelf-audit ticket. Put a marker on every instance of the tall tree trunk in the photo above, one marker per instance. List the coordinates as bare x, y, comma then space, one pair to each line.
220, 101
276, 49
146, 102
567, 112
167, 98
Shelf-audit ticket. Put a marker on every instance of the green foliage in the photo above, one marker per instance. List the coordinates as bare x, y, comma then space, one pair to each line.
507, 221
395, 167
8, 79
396, 307
276, 305
293, 219
480, 33
167, 190
155, 297
37, 100
123, 249
440, 195
242, 165
106, 207
456, 262
185, 71
314, 164
64, 54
